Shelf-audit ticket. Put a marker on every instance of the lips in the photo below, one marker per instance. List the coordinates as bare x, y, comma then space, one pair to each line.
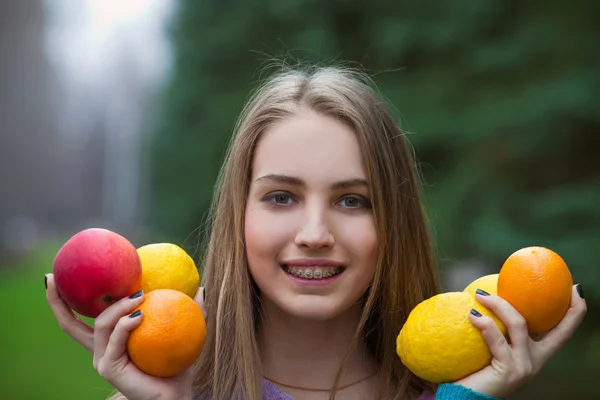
313, 271
312, 262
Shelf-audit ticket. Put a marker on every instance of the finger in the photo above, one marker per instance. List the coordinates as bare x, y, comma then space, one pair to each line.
559, 335
495, 340
70, 323
107, 320
112, 361
199, 299
515, 323
536, 337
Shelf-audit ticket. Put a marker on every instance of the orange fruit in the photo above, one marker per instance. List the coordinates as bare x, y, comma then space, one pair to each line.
537, 283
171, 335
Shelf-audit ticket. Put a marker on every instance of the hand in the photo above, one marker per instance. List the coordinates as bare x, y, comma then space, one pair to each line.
107, 341
517, 362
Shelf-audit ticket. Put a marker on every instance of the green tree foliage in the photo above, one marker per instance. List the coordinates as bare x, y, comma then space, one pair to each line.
500, 99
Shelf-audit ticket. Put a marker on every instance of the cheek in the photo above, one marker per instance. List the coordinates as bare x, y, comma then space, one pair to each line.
361, 241
264, 235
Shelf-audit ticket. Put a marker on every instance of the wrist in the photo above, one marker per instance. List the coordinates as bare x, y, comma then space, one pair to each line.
493, 388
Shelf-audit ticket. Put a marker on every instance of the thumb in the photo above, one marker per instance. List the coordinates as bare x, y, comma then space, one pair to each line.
199, 299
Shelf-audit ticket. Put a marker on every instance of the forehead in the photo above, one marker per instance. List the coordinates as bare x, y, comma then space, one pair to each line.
311, 146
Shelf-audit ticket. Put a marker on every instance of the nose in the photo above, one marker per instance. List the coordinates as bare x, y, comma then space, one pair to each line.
315, 231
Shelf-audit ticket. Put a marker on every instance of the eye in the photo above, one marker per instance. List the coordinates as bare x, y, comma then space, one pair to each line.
279, 198
354, 202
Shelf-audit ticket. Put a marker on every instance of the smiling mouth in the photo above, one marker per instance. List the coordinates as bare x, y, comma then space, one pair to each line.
312, 272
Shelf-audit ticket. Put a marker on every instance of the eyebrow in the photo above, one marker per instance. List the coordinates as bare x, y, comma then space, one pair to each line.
293, 181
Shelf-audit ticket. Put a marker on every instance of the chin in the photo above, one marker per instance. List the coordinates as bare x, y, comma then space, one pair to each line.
313, 308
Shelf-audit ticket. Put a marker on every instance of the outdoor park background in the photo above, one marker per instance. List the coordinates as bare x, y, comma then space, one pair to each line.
116, 113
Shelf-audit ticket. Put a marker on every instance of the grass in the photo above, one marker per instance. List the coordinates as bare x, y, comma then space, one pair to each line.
40, 361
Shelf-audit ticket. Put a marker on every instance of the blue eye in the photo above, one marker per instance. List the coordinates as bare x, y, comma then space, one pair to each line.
279, 198
353, 202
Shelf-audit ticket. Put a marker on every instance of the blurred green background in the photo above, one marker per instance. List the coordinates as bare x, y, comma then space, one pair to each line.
499, 98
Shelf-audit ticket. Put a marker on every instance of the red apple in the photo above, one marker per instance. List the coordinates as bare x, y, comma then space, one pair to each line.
95, 268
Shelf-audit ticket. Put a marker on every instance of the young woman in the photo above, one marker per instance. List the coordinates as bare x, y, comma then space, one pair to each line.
318, 252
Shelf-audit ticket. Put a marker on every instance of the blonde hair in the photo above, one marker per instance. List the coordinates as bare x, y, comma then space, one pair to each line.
229, 366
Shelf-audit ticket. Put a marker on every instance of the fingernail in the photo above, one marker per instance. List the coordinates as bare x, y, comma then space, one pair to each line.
580, 291
46, 281
136, 294
203, 294
135, 314
475, 312
482, 292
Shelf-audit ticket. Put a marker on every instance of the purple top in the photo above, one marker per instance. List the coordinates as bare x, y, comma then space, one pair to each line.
271, 392
444, 391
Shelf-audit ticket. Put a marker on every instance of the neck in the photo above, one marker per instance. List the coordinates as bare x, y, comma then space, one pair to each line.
308, 353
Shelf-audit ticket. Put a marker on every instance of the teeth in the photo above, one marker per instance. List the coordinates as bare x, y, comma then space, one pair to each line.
313, 272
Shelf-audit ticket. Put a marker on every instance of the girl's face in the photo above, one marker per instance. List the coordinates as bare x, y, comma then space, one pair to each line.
310, 235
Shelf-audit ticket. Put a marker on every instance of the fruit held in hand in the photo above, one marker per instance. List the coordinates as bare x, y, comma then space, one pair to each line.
537, 283
488, 283
95, 268
171, 335
439, 343
168, 266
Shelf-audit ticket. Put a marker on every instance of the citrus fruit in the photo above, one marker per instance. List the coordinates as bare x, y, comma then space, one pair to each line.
439, 343
171, 335
489, 283
168, 266
537, 283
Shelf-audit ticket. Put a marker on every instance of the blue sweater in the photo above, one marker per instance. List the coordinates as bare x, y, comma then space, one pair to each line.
449, 391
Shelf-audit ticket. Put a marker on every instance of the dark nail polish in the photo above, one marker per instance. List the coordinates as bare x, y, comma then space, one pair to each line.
475, 312
135, 314
136, 294
482, 292
46, 281
580, 291
203, 294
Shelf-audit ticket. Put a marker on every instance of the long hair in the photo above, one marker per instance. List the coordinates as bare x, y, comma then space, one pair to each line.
406, 274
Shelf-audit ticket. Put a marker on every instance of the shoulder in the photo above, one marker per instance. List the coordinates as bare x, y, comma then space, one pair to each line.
271, 392
202, 395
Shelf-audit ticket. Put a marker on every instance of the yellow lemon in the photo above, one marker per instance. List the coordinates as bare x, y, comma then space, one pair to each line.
168, 266
438, 342
489, 283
